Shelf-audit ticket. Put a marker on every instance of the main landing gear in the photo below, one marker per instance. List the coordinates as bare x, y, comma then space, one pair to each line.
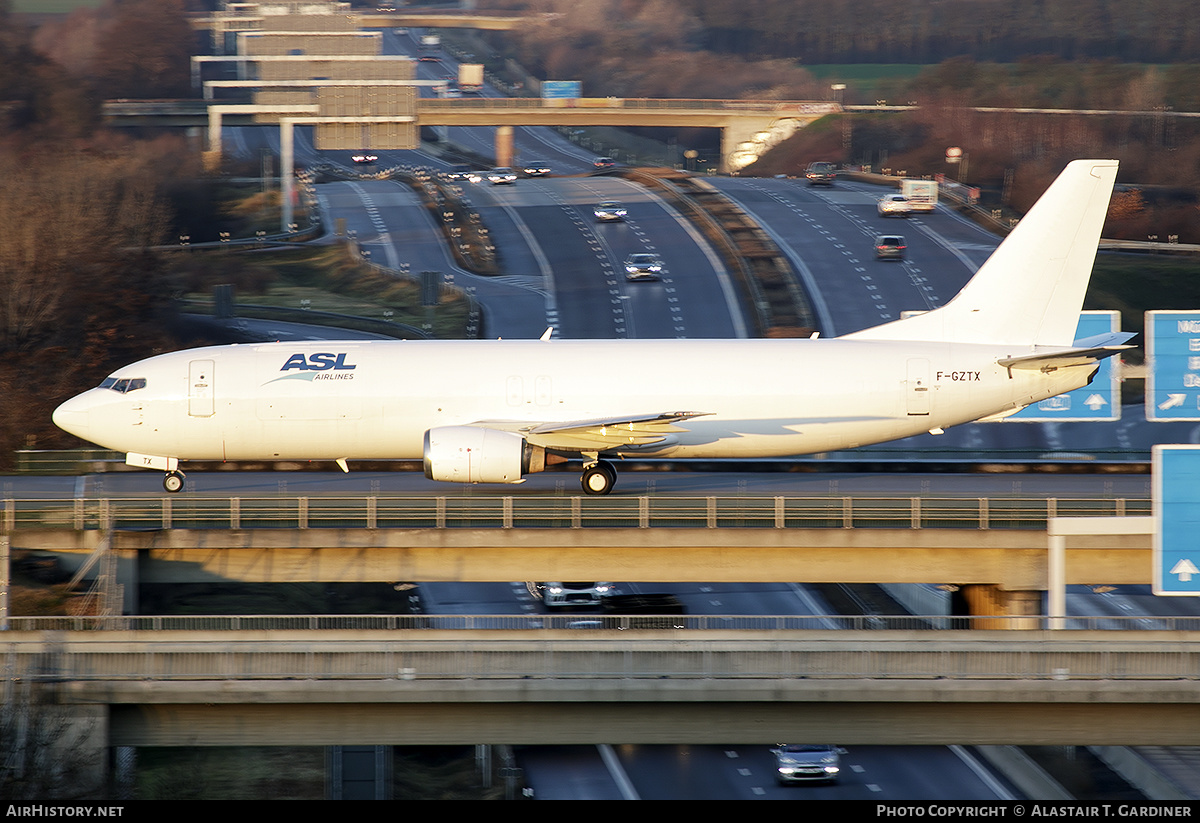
598, 477
173, 482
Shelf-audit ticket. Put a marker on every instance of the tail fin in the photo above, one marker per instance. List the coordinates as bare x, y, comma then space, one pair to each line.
1030, 291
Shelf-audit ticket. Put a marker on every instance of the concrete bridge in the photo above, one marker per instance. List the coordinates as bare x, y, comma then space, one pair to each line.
1004, 554
742, 122
341, 687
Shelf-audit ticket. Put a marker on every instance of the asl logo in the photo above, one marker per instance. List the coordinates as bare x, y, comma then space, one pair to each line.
317, 362
321, 366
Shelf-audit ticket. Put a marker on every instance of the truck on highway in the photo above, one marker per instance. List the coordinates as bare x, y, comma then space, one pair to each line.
470, 78
922, 195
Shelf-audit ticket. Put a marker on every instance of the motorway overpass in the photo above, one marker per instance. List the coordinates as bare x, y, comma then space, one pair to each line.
443, 687
740, 121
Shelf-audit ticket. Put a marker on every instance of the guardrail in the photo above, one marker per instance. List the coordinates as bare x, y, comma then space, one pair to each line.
508, 512
811, 107
963, 627
600, 655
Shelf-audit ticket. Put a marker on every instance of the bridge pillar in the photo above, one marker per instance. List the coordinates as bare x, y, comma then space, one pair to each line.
988, 600
504, 145
740, 143
212, 156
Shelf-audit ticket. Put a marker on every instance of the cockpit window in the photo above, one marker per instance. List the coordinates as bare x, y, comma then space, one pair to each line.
124, 385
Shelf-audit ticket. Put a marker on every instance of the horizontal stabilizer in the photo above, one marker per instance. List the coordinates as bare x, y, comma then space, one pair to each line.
1086, 351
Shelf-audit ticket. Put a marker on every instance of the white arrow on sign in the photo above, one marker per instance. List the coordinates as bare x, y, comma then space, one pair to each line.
1172, 401
1185, 569
1095, 401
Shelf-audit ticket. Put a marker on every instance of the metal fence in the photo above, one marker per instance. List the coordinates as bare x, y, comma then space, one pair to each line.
509, 512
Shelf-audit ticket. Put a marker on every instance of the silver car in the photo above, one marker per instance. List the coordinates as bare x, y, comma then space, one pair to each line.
643, 267
800, 763
609, 212
893, 205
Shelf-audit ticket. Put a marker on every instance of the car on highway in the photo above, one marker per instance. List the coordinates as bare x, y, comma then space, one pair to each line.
820, 174
459, 173
643, 267
561, 595
604, 163
893, 205
364, 158
609, 211
803, 763
501, 175
890, 247
536, 168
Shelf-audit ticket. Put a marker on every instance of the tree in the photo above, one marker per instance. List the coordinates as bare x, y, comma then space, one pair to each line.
145, 50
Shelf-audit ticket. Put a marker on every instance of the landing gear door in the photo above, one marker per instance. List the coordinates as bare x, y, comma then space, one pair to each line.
200, 388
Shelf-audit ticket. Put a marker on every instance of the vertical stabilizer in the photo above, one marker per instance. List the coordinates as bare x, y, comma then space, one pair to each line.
1030, 291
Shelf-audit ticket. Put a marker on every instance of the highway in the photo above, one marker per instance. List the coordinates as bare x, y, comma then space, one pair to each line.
562, 270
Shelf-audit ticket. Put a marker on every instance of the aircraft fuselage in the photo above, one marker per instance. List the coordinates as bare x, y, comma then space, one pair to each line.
347, 400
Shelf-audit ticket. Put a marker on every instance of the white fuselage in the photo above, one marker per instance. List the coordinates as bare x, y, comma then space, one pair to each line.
376, 400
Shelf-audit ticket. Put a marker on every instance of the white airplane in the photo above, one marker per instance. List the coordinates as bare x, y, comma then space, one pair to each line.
495, 411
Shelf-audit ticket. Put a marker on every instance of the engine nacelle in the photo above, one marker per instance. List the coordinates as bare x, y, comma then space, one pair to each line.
470, 454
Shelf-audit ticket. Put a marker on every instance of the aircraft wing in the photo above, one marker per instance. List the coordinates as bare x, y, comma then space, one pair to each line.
600, 434
1088, 350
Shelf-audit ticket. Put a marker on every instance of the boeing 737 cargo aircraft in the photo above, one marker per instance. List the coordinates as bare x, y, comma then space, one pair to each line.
494, 411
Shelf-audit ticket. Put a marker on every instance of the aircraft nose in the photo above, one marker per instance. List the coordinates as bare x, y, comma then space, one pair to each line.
73, 417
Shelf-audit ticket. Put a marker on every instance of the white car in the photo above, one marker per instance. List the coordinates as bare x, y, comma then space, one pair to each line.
643, 267
894, 205
501, 175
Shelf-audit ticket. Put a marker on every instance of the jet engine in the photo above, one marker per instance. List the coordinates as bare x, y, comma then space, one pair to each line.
470, 454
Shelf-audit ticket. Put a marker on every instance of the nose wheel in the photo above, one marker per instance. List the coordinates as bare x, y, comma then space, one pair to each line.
173, 482
598, 478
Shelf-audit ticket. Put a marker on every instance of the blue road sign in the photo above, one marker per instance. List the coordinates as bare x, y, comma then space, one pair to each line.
1176, 520
1173, 361
552, 89
1100, 400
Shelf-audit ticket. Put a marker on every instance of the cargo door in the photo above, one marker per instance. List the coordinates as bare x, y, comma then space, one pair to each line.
918, 387
200, 388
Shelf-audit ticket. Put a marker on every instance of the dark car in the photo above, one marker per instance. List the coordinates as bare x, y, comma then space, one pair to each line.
536, 168
364, 158
604, 163
458, 173
502, 175
889, 247
820, 174
643, 267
